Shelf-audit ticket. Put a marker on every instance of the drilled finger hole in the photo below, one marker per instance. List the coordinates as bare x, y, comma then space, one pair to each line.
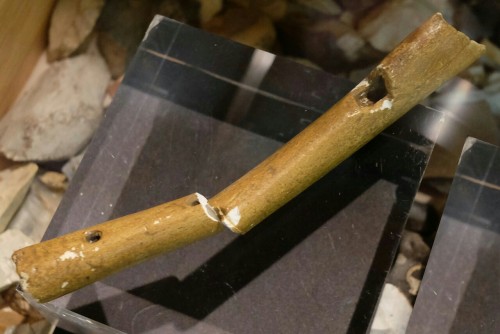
93, 236
376, 90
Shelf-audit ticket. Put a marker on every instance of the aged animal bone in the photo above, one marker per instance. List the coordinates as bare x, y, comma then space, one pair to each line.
432, 54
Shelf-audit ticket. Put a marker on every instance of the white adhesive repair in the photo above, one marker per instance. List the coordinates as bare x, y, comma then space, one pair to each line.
207, 208
68, 255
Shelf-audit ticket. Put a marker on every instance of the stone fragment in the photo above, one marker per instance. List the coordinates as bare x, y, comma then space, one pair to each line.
414, 278
10, 241
324, 7
305, 62
58, 115
492, 93
34, 216
54, 180
420, 218
117, 55
111, 91
359, 5
37, 327
70, 25
15, 306
69, 168
15, 182
244, 26
414, 247
121, 28
333, 45
407, 270
9, 318
348, 18
393, 312
389, 23
122, 25
475, 74
175, 11
274, 9
208, 9
5, 163
492, 54
493, 99
351, 43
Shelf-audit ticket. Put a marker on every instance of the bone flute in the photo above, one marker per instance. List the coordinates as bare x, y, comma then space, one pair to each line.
428, 57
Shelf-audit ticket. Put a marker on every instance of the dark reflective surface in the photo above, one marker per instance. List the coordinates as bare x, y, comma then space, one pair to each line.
461, 285
194, 113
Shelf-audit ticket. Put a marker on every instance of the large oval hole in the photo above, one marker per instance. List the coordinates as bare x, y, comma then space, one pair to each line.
376, 89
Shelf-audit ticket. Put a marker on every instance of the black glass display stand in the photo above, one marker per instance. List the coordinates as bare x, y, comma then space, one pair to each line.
461, 285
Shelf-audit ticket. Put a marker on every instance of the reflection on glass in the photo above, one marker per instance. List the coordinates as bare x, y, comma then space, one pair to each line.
460, 289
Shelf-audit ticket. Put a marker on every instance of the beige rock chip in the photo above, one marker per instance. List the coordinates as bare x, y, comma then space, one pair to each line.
69, 168
305, 62
34, 216
5, 163
492, 54
111, 91
55, 181
274, 9
325, 40
389, 23
260, 35
325, 7
15, 182
209, 8
122, 26
244, 26
56, 117
10, 241
71, 24
393, 312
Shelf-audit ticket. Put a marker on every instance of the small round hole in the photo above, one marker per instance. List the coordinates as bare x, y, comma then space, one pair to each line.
93, 236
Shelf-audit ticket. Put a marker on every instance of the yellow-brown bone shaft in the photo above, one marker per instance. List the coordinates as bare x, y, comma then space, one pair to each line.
427, 58
432, 54
58, 266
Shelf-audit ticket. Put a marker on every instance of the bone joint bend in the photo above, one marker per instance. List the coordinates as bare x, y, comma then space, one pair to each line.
229, 220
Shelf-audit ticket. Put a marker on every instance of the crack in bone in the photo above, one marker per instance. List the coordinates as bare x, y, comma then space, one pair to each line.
207, 208
230, 220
